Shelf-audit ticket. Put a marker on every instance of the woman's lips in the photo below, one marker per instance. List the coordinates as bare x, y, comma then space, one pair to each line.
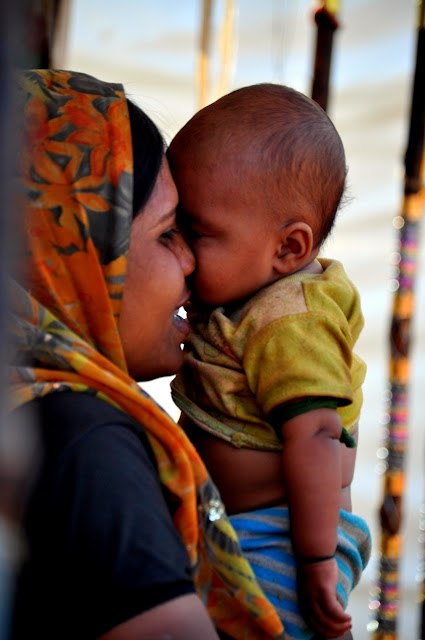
181, 325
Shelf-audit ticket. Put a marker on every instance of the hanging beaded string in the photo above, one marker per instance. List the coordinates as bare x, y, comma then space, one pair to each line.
387, 593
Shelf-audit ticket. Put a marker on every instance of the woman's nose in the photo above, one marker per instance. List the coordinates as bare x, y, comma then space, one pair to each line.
185, 256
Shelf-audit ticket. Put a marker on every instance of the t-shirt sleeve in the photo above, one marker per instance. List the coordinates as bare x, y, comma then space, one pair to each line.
111, 530
292, 358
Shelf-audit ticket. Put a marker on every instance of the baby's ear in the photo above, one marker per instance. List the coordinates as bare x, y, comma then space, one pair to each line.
295, 248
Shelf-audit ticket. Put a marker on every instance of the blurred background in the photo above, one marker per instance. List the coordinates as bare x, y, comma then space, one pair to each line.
154, 50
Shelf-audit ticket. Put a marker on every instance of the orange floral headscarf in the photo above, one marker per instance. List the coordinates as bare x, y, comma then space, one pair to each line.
75, 194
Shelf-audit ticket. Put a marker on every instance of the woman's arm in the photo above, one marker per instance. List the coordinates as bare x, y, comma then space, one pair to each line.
183, 618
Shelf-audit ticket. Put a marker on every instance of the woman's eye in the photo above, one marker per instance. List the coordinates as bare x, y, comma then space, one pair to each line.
170, 233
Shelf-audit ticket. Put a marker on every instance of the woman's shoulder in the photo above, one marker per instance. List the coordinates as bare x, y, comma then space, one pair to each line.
96, 514
68, 420
85, 444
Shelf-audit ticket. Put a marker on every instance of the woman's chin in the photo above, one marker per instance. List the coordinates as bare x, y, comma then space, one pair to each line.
174, 361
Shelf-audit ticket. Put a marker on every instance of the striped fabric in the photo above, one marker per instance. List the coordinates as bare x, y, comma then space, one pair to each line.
265, 539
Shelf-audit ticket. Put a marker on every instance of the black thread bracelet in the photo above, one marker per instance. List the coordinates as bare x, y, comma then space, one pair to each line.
313, 559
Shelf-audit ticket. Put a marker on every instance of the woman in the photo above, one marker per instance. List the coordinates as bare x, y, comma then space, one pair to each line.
127, 537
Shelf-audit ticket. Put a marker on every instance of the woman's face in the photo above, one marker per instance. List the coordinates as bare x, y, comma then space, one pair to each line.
155, 287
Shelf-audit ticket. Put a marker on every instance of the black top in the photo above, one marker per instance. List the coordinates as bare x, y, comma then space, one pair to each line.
102, 544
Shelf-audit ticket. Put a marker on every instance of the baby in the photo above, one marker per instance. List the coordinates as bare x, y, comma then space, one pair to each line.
270, 392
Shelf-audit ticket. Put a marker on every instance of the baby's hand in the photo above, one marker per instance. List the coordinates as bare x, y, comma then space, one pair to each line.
317, 597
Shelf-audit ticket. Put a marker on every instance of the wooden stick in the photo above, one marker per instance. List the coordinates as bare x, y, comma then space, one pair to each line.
327, 23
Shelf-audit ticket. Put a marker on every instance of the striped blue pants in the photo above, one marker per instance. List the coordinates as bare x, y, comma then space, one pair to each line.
264, 536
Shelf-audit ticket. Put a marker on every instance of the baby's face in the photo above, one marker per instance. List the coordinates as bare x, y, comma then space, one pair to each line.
229, 231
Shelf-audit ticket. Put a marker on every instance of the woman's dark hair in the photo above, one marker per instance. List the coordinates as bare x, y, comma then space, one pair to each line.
148, 152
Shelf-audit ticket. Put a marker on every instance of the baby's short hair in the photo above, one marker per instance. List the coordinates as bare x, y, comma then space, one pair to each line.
284, 139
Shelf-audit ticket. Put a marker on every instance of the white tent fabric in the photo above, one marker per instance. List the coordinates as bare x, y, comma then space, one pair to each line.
152, 47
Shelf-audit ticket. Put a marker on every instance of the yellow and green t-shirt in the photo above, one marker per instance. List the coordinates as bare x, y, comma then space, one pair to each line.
291, 341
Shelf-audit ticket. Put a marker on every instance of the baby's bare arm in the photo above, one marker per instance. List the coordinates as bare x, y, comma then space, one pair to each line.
313, 467
312, 476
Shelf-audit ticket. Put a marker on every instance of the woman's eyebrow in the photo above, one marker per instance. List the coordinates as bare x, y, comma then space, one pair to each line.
166, 216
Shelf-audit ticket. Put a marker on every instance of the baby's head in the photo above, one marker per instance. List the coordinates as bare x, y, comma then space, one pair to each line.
260, 174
